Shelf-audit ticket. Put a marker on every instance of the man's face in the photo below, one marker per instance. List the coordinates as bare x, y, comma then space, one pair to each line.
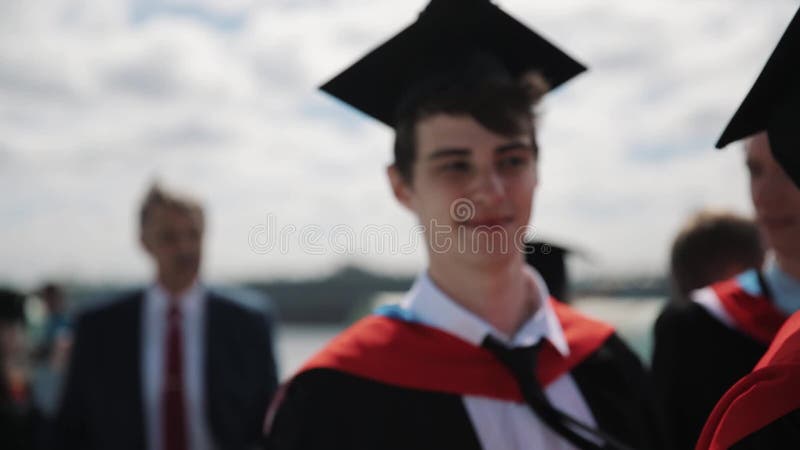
775, 198
471, 189
173, 238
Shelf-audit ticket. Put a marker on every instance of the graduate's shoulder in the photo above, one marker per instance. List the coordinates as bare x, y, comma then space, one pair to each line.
612, 353
615, 358
348, 402
318, 408
331, 409
341, 367
703, 308
684, 315
578, 325
322, 383
691, 325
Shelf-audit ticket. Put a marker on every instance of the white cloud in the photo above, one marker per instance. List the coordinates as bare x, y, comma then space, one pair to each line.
98, 97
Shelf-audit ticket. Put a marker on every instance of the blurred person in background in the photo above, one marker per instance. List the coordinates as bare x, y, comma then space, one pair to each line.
739, 318
56, 319
712, 246
17, 415
478, 355
52, 351
174, 366
703, 346
697, 356
762, 410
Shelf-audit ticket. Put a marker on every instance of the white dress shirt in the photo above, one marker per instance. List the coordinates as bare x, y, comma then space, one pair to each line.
499, 424
154, 335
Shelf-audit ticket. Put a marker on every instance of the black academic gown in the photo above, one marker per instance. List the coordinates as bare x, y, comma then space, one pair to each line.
696, 359
325, 408
762, 410
102, 405
782, 434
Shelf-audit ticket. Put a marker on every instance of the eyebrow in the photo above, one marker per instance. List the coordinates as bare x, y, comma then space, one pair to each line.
448, 152
445, 152
516, 145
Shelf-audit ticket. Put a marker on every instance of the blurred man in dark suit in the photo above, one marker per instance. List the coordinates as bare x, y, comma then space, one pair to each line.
174, 366
18, 417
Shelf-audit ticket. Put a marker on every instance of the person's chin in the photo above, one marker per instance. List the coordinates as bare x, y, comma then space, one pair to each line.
188, 275
491, 256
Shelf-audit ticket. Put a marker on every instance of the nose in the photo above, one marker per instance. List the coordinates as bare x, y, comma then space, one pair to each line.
489, 187
187, 243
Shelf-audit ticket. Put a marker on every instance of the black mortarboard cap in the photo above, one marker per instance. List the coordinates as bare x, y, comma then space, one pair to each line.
773, 104
445, 32
550, 261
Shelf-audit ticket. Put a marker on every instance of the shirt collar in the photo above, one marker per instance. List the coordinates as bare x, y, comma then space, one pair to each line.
785, 288
430, 305
189, 300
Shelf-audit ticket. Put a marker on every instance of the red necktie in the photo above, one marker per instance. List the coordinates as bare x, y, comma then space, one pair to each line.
174, 418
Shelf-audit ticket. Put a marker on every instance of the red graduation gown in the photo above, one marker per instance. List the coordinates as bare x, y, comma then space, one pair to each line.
753, 313
392, 383
771, 391
415, 356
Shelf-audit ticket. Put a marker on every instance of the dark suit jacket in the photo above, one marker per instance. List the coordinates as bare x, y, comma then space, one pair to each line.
102, 405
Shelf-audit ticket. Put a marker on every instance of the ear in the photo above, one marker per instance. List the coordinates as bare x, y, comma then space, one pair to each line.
144, 242
401, 188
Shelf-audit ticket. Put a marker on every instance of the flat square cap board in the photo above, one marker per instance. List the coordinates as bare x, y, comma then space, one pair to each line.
773, 104
446, 32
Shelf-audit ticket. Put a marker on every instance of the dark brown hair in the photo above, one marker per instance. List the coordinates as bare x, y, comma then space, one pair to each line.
481, 89
157, 196
709, 245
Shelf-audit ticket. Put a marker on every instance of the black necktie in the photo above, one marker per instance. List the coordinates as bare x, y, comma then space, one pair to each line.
521, 362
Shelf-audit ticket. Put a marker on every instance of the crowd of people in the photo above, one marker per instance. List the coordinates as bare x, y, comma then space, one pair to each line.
172, 365
480, 353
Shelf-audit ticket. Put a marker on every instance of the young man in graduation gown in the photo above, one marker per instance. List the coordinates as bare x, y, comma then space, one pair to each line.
762, 411
702, 348
175, 366
478, 355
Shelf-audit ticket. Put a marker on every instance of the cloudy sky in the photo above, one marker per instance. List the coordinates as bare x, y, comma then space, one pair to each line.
218, 97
